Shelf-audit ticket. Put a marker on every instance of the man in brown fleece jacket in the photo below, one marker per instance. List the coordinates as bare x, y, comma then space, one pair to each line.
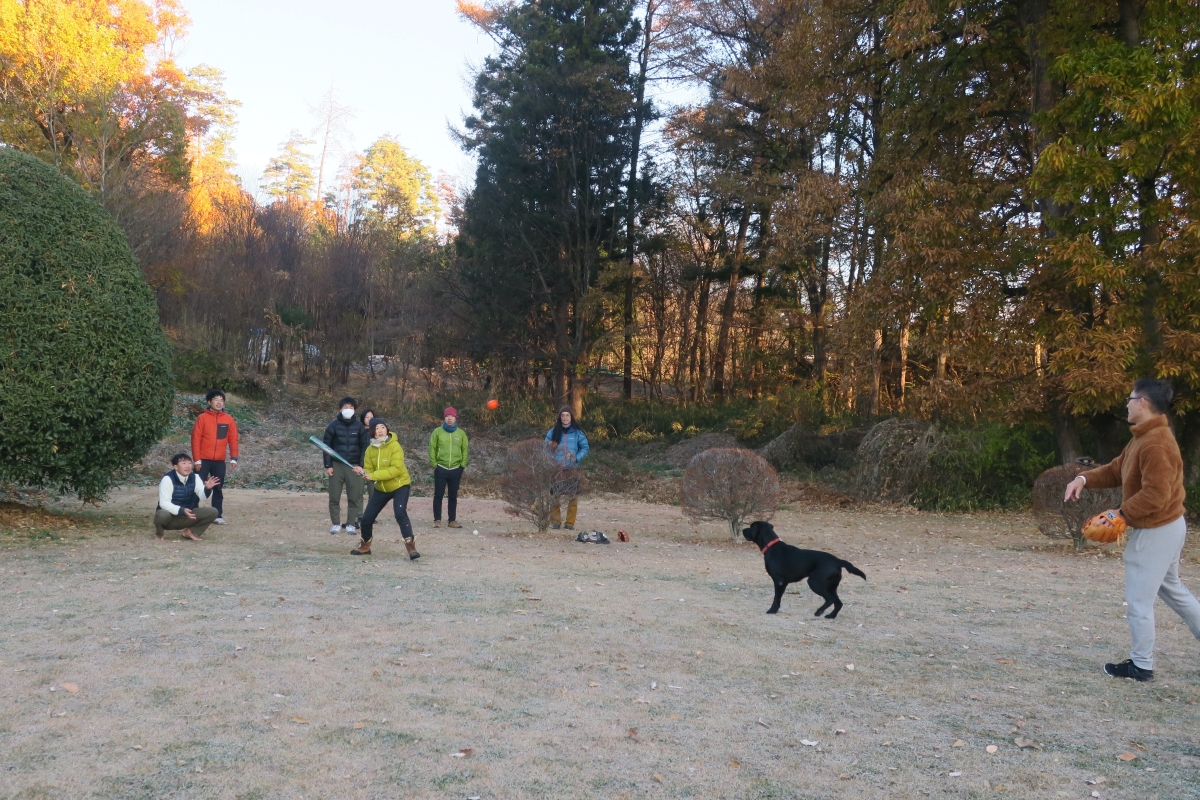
1150, 474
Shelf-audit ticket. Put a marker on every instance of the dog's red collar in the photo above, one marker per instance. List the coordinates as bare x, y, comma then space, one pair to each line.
768, 547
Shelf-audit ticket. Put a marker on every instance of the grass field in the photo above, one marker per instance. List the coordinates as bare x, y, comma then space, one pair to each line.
266, 662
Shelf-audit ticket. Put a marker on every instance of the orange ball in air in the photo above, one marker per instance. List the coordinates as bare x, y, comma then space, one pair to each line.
493, 404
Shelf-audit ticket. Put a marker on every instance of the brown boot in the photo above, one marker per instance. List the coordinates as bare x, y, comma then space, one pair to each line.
453, 524
363, 549
411, 546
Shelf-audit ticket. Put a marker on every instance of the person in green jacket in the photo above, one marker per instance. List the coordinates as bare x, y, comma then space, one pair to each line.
448, 458
383, 465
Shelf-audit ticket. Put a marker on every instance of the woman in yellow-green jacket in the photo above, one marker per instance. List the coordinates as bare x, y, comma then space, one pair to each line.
383, 465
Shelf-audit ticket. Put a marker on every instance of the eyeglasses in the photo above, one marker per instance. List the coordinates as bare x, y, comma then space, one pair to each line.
1132, 397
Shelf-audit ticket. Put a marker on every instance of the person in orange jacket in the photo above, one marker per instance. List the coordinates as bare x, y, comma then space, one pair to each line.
214, 433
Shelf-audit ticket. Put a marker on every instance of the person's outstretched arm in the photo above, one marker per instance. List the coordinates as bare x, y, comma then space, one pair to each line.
1105, 477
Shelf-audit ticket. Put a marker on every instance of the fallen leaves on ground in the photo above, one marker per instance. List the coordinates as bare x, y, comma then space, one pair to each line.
1025, 744
992, 749
1127, 756
70, 687
300, 720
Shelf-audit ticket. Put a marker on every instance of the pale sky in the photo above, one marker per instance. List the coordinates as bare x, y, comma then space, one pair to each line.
403, 66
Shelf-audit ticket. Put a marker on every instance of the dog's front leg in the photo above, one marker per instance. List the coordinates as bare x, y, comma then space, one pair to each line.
779, 590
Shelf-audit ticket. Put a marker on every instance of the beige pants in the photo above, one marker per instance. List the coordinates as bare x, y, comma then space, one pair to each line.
572, 510
166, 521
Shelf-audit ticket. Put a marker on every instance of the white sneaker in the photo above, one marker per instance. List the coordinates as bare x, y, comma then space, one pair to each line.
219, 521
350, 529
336, 529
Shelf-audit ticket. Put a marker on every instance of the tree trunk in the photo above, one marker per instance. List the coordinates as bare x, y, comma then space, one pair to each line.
562, 348
639, 114
1066, 434
1190, 446
876, 372
730, 305
696, 356
903, 383
578, 393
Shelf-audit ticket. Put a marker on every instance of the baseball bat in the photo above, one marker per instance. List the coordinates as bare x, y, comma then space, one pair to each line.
329, 451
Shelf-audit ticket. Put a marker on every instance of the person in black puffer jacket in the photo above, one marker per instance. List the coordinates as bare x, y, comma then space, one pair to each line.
347, 437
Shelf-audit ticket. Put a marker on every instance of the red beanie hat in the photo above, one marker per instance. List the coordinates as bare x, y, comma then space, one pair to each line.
450, 411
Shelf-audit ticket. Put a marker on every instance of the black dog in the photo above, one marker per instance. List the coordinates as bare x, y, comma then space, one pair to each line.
786, 564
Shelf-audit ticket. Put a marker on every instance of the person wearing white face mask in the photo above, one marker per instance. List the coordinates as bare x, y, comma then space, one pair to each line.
348, 438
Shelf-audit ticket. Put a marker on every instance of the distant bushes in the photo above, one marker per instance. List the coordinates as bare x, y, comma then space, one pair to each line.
953, 469
198, 370
992, 466
640, 420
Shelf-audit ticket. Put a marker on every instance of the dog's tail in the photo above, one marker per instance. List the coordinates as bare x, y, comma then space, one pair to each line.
853, 570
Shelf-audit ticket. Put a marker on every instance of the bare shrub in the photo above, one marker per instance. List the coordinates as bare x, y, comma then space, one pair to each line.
533, 482
730, 484
806, 448
893, 460
1060, 520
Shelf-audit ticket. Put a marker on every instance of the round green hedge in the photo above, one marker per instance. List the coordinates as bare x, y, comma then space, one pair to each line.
85, 369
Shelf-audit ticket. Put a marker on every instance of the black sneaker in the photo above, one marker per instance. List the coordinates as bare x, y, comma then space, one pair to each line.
1128, 669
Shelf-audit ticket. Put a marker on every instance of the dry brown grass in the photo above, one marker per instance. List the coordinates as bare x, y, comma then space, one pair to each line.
266, 662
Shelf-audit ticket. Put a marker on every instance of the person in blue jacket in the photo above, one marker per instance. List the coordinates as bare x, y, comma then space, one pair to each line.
570, 449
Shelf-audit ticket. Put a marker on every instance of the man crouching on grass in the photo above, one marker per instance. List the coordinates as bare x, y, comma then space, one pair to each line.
1150, 474
179, 495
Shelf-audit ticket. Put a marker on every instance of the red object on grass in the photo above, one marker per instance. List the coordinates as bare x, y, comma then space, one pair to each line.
493, 404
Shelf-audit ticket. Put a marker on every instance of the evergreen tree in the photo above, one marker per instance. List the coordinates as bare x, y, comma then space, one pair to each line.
289, 175
395, 190
554, 112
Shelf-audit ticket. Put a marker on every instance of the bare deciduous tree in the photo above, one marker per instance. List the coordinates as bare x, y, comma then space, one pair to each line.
731, 484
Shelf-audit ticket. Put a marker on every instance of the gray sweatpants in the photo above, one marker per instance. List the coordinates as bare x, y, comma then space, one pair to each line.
1152, 570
